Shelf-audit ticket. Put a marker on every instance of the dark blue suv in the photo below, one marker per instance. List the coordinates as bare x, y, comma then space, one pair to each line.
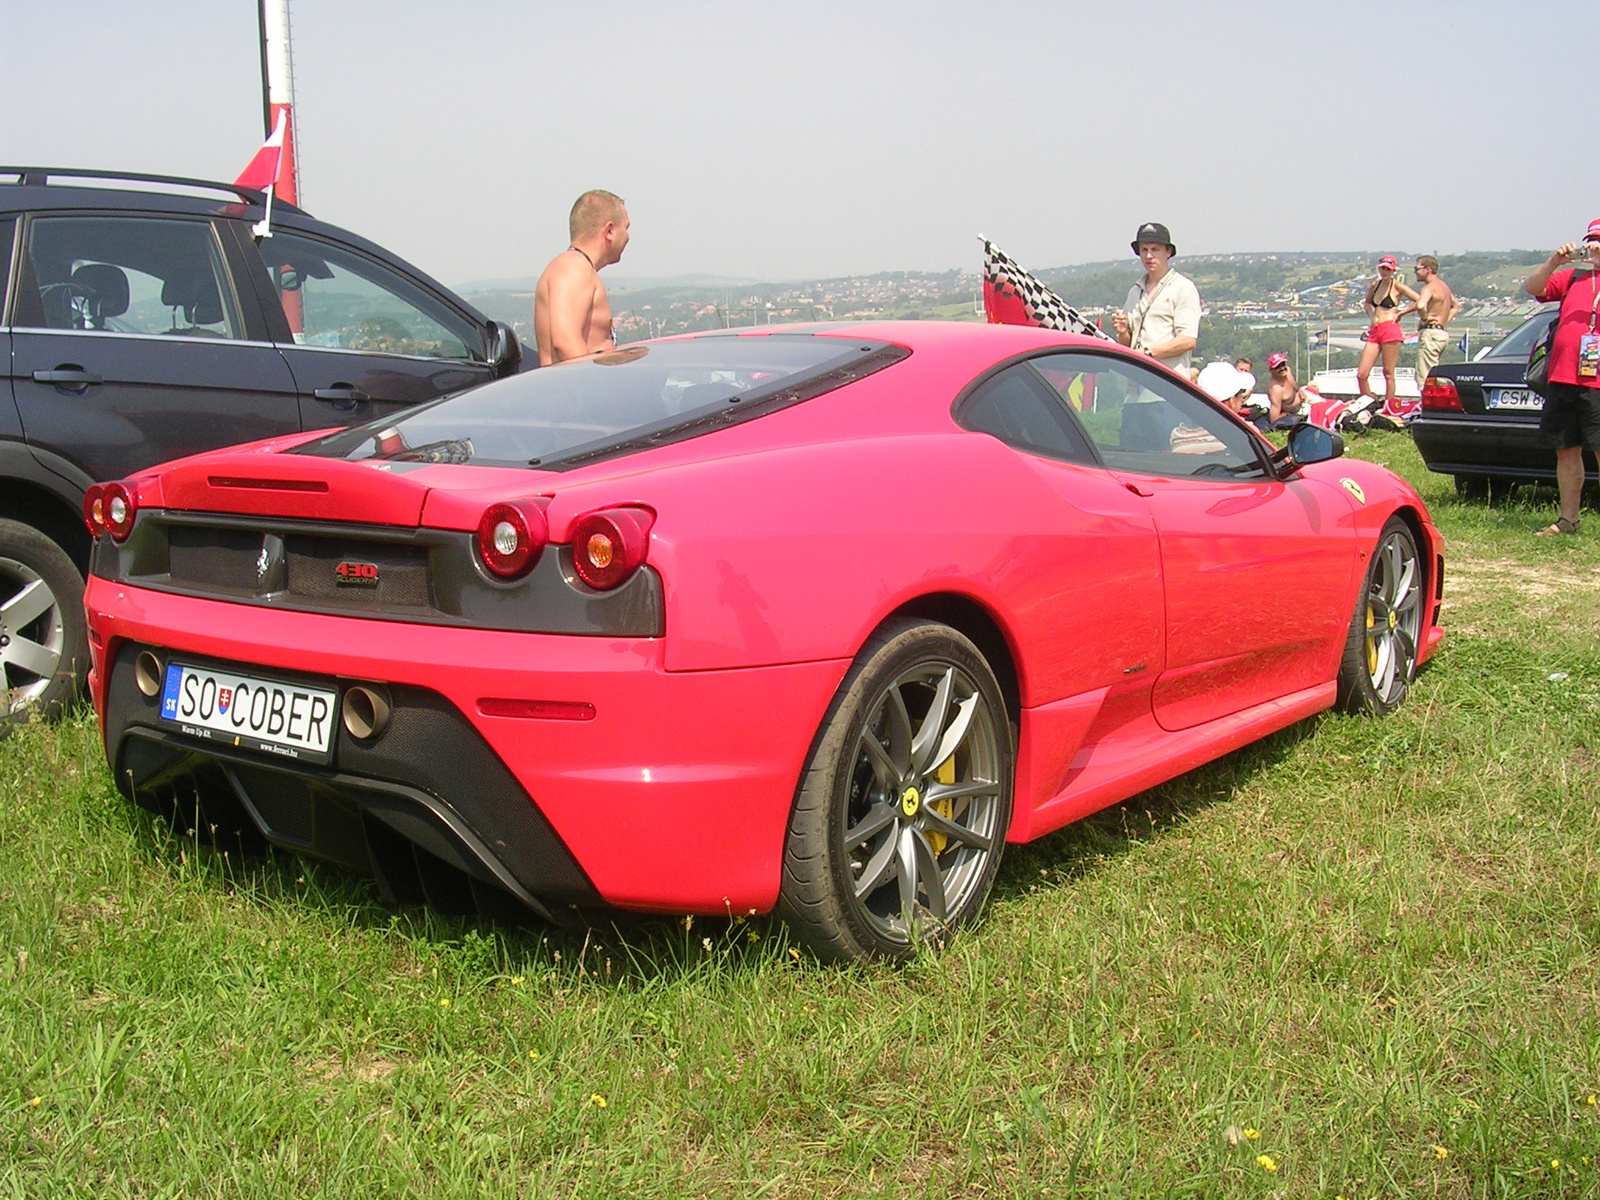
144, 321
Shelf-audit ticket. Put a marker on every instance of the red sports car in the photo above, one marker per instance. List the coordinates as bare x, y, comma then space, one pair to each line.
809, 620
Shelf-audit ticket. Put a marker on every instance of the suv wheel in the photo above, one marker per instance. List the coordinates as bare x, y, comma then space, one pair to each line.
43, 637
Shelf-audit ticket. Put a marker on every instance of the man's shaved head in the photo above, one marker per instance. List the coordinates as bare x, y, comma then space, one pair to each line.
592, 210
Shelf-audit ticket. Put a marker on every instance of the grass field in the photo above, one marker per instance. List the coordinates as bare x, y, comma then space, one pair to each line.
1357, 959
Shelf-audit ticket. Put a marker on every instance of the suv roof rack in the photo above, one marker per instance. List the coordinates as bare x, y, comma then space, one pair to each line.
41, 176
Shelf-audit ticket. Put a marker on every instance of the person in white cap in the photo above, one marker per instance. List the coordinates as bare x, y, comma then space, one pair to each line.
1228, 386
1161, 316
1570, 420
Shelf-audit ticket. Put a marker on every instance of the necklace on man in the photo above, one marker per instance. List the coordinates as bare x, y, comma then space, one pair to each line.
586, 259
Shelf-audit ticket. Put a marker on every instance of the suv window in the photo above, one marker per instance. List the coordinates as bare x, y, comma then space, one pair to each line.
144, 275
8, 230
1145, 421
339, 300
1017, 407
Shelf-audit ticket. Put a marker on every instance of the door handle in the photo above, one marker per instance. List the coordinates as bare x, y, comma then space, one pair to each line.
1137, 490
341, 396
69, 374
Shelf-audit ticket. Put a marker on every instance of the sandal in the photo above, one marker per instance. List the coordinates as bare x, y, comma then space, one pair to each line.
1562, 525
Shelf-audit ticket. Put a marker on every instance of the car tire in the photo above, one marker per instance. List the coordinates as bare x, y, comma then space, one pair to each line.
899, 824
1380, 653
44, 645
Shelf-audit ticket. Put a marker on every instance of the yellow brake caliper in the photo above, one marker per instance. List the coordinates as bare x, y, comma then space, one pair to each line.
1372, 642
945, 808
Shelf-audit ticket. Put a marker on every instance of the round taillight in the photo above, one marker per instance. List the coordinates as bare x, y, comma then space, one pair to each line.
610, 544
118, 506
94, 509
1440, 395
511, 537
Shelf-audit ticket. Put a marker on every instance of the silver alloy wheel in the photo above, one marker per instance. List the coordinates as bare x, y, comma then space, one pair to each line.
921, 821
1393, 618
32, 634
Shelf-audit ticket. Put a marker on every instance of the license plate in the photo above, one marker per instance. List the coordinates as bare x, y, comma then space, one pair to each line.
1515, 398
287, 719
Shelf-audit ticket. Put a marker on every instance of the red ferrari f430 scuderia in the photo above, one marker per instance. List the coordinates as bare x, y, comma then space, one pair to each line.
813, 620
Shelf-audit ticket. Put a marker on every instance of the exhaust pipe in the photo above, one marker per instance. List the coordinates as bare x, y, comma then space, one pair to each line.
365, 712
147, 673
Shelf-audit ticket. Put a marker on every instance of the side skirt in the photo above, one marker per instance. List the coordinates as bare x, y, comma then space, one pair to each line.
1142, 755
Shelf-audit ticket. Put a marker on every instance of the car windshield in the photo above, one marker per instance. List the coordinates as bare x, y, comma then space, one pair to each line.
623, 400
1520, 341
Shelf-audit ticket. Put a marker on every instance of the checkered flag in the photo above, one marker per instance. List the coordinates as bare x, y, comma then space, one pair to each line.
1011, 296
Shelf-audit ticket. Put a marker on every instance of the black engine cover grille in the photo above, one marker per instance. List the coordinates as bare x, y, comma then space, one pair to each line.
215, 557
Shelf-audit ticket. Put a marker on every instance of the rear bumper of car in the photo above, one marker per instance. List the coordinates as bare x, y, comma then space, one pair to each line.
673, 796
1478, 446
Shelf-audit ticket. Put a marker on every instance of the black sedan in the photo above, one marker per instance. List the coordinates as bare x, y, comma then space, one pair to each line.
1480, 423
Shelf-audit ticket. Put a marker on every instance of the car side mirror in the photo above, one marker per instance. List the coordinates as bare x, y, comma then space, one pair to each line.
1310, 443
505, 351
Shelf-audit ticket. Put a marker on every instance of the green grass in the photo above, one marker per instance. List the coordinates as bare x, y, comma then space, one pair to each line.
1365, 950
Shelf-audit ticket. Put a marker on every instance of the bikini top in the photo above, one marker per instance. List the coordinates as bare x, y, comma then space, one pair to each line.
1388, 300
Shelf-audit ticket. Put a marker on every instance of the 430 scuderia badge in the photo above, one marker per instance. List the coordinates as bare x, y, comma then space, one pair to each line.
1354, 488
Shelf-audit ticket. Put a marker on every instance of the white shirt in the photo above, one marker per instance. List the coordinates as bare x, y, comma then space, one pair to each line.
1171, 309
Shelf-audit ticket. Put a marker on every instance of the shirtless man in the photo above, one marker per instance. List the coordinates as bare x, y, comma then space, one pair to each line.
1436, 306
571, 312
1285, 397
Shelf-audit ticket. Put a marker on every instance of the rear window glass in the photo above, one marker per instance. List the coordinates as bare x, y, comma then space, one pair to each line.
615, 403
1521, 340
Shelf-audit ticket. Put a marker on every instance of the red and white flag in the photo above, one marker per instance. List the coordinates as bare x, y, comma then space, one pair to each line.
263, 172
1013, 296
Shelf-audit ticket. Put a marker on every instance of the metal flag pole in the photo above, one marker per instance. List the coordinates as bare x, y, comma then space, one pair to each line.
277, 84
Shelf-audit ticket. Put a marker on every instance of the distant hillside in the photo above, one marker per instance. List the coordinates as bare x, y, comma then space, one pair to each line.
1242, 277
1253, 300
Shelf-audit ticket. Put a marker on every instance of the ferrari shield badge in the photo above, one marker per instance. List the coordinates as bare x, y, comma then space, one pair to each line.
1354, 488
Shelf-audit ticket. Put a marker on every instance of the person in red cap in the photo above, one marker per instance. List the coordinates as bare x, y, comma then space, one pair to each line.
1285, 398
1571, 417
1384, 336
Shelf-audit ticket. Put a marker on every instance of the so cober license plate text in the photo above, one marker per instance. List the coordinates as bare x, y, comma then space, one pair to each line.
258, 714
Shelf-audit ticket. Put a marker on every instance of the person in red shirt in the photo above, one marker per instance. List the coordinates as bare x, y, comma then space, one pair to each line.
1571, 418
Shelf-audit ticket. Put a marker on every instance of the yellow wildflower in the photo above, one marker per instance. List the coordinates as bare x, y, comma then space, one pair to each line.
445, 1003
1252, 1134
35, 1102
1440, 1152
533, 1054
1266, 1163
1555, 1164
752, 936
597, 1100
1589, 1099
516, 979
794, 954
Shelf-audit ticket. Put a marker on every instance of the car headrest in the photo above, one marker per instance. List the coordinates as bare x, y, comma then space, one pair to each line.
196, 294
178, 292
207, 308
104, 286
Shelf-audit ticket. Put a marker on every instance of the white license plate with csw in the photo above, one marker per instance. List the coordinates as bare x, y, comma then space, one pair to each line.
1515, 398
288, 719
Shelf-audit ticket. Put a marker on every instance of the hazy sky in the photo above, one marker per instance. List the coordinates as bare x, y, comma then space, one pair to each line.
794, 140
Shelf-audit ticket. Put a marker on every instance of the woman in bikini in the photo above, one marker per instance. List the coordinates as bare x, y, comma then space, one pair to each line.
1384, 336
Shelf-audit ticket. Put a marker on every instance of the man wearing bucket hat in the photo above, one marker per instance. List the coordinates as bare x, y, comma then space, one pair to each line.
1571, 417
1161, 316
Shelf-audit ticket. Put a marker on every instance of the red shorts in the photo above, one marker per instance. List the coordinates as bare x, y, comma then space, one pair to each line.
1385, 332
